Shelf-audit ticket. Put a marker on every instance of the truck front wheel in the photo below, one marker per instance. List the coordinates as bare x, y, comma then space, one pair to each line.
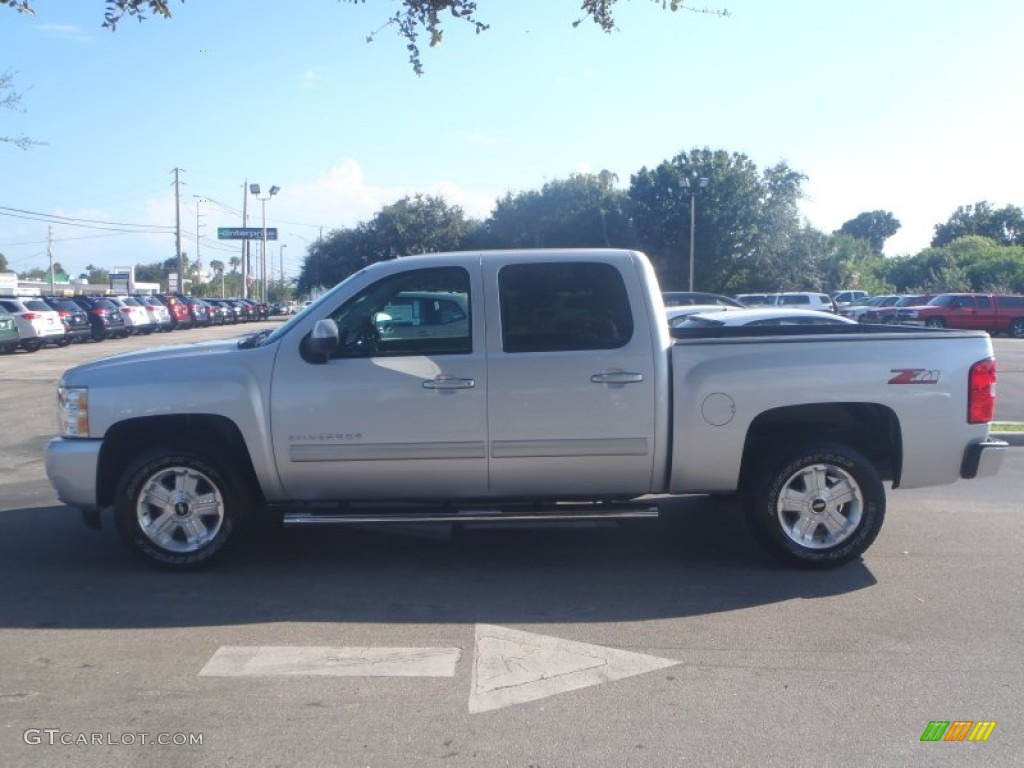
935, 322
178, 510
1017, 328
818, 507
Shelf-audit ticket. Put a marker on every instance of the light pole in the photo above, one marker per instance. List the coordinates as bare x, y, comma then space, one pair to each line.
255, 189
280, 253
692, 188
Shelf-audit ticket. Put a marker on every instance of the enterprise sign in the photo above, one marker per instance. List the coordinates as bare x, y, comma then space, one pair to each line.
245, 233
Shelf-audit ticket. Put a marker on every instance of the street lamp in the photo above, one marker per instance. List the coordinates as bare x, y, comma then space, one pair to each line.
281, 255
701, 183
255, 189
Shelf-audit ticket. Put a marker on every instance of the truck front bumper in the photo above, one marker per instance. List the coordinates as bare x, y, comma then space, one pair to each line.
983, 459
71, 464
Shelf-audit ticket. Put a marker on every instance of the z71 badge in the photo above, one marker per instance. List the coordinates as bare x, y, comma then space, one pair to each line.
914, 376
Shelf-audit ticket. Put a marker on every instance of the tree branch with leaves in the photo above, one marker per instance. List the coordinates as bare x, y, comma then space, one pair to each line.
413, 18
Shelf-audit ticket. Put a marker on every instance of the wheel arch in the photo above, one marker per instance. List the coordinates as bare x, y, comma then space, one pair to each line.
870, 428
215, 437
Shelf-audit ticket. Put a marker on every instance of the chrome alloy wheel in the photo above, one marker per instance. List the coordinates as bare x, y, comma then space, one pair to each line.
180, 509
820, 506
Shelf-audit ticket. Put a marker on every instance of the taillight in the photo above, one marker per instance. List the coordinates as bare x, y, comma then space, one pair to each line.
99, 311
63, 313
32, 316
981, 392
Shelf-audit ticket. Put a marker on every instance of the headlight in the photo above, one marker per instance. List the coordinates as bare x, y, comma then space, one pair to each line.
74, 411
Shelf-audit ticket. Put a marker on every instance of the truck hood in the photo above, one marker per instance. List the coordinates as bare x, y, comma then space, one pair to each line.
173, 355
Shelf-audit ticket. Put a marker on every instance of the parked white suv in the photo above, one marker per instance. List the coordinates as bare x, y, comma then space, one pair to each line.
806, 300
845, 298
136, 318
38, 323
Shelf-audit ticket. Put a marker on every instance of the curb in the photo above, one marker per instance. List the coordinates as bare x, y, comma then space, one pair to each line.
1014, 435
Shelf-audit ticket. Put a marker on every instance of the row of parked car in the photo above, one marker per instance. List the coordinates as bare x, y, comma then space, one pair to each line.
31, 322
991, 312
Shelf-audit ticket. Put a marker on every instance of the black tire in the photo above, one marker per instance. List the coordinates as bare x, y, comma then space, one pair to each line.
62, 342
819, 506
158, 513
1016, 328
98, 334
31, 346
935, 322
8, 349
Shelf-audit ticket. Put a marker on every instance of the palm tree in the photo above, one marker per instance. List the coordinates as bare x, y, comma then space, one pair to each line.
218, 267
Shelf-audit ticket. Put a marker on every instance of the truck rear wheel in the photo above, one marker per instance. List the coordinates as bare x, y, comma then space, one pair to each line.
935, 322
820, 506
1017, 328
178, 510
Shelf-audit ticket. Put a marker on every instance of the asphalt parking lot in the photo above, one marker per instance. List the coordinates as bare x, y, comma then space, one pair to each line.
670, 642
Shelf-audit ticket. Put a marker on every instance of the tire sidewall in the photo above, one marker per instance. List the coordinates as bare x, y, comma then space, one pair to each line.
139, 472
763, 517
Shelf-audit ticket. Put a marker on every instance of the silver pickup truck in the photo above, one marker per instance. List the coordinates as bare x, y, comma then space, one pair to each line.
518, 385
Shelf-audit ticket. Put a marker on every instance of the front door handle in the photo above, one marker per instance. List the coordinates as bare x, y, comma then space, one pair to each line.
449, 383
618, 377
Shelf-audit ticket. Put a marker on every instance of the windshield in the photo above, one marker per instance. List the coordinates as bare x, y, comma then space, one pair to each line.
909, 301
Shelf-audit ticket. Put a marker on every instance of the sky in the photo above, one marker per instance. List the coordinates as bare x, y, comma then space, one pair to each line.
908, 106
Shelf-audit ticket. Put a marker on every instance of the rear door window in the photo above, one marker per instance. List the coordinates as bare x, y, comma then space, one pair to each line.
561, 306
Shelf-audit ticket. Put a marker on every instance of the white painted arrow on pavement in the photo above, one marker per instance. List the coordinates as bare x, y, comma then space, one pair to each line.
509, 666
513, 667
299, 661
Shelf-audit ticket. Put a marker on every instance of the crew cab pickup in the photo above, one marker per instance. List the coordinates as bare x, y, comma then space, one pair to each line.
518, 385
989, 312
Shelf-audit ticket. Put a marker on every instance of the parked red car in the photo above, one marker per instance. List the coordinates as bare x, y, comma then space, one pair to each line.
970, 311
180, 316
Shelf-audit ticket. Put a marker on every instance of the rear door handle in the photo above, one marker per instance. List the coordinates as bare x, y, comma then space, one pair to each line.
618, 377
449, 383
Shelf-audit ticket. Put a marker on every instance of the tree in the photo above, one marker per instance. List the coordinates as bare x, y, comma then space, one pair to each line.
413, 17
150, 273
1004, 225
96, 275
585, 210
745, 221
970, 263
11, 99
875, 227
420, 224
3, 263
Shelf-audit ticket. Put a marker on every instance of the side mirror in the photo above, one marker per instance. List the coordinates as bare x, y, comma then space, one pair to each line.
321, 342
